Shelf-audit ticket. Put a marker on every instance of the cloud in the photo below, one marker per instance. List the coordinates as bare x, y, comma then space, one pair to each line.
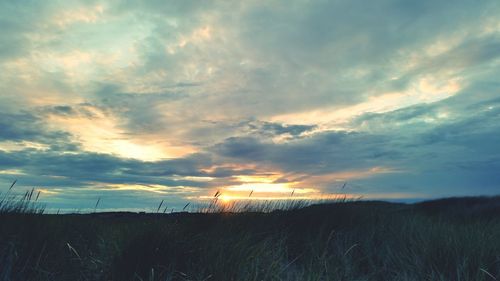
322, 153
141, 112
19, 127
451, 143
187, 96
16, 23
277, 129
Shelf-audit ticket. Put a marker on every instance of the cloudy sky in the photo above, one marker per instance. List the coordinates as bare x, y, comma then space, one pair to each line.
137, 102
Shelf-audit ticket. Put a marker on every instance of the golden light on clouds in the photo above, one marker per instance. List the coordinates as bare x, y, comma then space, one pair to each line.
13, 172
269, 178
263, 187
102, 134
52, 191
81, 14
11, 146
231, 197
154, 188
213, 97
296, 187
425, 90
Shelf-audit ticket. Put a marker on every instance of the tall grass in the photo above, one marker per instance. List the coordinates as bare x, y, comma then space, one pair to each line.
250, 205
24, 203
340, 240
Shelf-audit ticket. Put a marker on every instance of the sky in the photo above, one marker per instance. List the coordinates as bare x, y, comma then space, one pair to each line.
135, 102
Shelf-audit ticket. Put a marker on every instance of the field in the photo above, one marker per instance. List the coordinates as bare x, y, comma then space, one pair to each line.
448, 239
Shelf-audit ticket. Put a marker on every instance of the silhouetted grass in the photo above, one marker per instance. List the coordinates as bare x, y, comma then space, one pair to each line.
26, 203
331, 241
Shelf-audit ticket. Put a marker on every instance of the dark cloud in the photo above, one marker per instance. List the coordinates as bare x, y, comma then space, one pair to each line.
322, 153
18, 127
277, 129
85, 110
84, 169
457, 154
63, 110
400, 115
28, 127
357, 31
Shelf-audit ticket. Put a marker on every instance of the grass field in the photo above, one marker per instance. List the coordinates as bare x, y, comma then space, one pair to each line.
449, 239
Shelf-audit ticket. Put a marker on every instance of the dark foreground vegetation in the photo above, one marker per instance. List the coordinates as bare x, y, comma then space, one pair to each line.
450, 239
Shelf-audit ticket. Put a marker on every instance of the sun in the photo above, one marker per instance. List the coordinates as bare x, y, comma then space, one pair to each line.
224, 198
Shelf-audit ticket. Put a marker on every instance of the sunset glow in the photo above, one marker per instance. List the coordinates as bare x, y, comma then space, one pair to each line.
134, 102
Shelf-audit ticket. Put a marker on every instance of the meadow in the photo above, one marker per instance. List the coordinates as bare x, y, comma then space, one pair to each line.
447, 239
